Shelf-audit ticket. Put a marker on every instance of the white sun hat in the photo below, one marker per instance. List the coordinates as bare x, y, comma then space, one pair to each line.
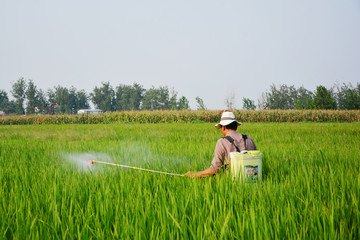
226, 119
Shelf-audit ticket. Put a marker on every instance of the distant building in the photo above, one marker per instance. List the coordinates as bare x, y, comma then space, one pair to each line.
89, 111
2, 113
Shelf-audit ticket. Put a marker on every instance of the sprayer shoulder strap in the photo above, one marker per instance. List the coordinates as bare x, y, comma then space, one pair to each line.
245, 138
231, 140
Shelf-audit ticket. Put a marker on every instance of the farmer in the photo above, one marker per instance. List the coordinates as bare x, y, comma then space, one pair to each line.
231, 142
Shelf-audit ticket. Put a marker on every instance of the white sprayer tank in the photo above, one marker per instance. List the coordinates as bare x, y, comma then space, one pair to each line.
246, 166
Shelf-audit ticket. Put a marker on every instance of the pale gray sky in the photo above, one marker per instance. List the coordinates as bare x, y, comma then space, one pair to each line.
202, 48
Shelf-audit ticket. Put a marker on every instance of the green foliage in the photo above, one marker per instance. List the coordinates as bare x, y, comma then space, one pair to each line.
304, 99
104, 97
323, 99
63, 100
183, 103
128, 97
82, 100
6, 106
307, 192
186, 116
151, 99
32, 97
282, 98
156, 99
164, 101
4, 100
200, 104
159, 99
19, 93
173, 105
51, 102
42, 102
248, 104
348, 97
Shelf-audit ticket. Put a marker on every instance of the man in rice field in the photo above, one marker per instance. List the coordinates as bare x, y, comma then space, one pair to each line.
231, 142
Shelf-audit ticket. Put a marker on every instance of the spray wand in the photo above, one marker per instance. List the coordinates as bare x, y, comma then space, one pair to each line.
136, 168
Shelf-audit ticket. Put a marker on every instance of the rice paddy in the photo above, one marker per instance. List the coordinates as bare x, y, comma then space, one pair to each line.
310, 187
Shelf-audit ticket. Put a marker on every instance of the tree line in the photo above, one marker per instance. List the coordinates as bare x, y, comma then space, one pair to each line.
29, 99
341, 97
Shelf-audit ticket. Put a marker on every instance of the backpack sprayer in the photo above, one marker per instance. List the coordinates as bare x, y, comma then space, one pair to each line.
135, 168
246, 166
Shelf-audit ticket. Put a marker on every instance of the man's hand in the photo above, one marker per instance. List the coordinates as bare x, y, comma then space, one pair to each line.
190, 174
205, 173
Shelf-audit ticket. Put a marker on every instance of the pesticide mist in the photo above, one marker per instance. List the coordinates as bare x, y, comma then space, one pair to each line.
132, 154
81, 161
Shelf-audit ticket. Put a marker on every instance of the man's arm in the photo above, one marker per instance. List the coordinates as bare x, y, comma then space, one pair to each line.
205, 173
216, 163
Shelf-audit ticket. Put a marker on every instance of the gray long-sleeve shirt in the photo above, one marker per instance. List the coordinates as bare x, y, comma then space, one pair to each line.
224, 147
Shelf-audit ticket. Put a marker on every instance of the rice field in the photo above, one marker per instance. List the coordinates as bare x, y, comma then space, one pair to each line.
310, 187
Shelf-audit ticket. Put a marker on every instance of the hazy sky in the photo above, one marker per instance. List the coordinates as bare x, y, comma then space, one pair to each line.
210, 49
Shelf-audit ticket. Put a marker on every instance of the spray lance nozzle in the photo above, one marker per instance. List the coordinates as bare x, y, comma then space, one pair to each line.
92, 162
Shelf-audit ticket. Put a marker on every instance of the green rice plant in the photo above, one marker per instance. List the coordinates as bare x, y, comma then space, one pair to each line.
310, 187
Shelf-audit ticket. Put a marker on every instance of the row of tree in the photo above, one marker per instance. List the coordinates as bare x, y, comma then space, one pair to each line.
57, 100
29, 99
135, 97
288, 97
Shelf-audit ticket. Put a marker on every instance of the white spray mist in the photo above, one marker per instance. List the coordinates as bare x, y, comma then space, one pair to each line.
81, 161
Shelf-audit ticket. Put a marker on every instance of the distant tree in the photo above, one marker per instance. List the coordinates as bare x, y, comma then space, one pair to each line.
137, 94
164, 100
262, 104
304, 99
11, 108
156, 99
183, 103
4, 100
293, 95
32, 97
51, 107
104, 97
230, 101
42, 104
122, 95
62, 99
128, 97
323, 98
151, 99
73, 100
282, 98
6, 106
173, 104
200, 103
82, 100
18, 92
348, 97
288, 97
248, 104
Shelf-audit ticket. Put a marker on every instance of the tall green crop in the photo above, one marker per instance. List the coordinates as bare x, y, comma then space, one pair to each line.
186, 116
310, 187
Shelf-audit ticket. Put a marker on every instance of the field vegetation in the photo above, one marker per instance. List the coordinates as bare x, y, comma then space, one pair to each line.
187, 116
310, 187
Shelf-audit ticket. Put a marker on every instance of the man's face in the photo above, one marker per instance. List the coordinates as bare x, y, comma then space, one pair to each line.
223, 130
